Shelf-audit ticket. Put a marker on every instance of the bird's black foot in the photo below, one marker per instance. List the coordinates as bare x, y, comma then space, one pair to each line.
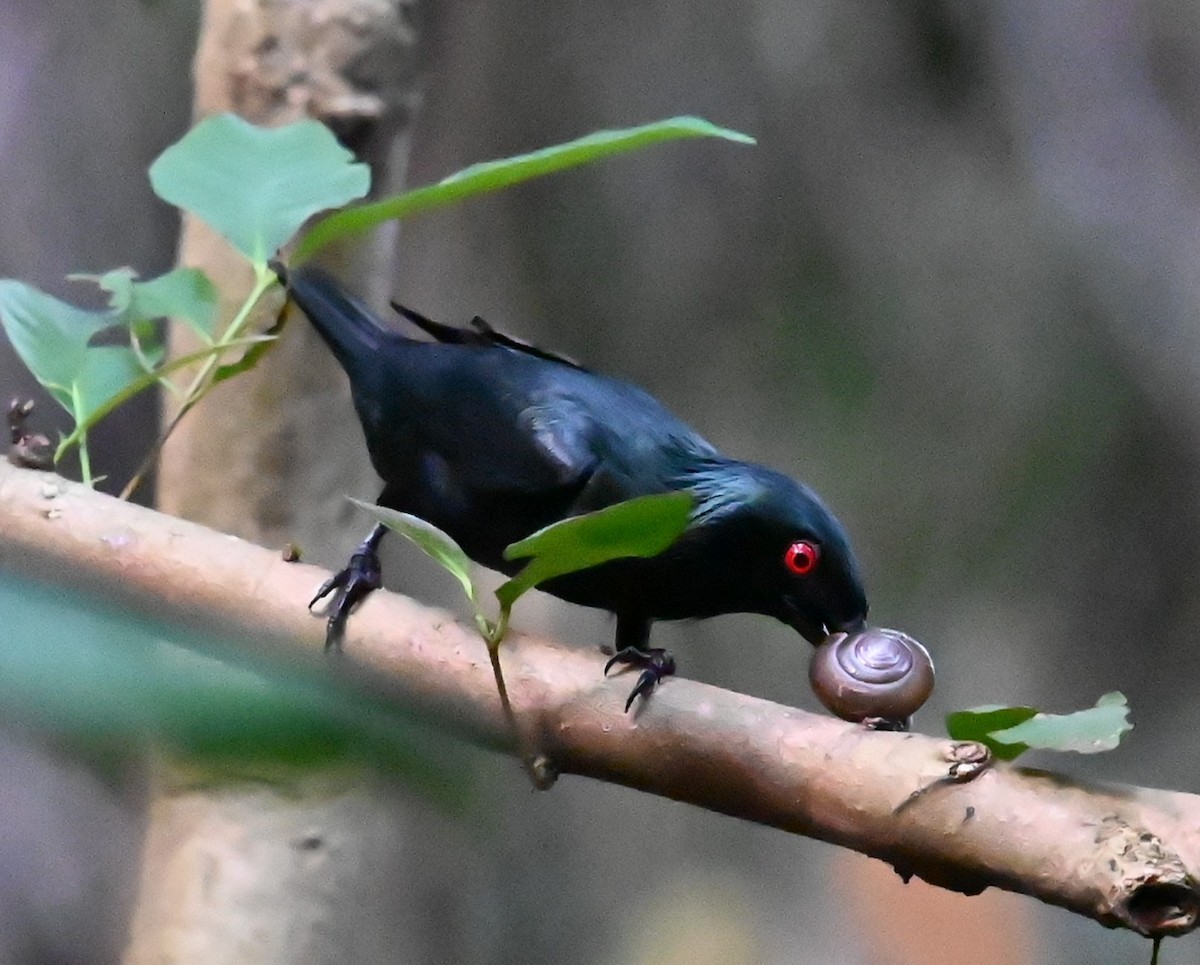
655, 662
887, 723
350, 585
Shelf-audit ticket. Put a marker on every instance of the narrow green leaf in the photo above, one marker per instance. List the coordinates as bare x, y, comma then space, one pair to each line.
430, 539
250, 358
494, 175
256, 186
643, 527
1090, 731
254, 353
980, 723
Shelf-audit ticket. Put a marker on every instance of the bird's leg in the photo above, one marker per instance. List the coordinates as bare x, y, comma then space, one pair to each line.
349, 585
656, 663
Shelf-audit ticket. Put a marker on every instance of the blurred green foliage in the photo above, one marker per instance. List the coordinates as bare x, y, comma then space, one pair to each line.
105, 677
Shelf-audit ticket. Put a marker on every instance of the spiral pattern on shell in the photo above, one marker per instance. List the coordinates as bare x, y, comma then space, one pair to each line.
874, 673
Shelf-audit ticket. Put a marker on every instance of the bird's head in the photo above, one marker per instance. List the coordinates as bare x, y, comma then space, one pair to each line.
789, 554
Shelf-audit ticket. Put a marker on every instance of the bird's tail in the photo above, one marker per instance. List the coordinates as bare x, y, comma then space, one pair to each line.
346, 325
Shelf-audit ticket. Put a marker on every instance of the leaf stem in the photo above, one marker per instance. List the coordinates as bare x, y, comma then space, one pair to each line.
145, 381
264, 279
85, 459
494, 655
500, 627
535, 765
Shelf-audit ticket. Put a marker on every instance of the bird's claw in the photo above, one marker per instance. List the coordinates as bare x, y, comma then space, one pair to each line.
349, 585
893, 724
646, 682
655, 662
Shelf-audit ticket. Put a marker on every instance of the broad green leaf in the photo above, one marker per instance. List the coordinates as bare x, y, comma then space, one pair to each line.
430, 539
107, 371
184, 293
118, 282
49, 335
981, 723
52, 337
256, 186
494, 175
146, 336
1010, 731
1090, 731
87, 670
638, 527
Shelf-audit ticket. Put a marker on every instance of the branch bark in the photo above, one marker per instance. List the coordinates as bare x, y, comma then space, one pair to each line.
933, 808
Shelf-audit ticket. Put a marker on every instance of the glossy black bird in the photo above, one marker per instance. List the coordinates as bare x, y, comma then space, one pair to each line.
491, 439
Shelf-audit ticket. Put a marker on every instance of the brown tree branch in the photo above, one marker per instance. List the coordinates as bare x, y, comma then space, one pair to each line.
1127, 857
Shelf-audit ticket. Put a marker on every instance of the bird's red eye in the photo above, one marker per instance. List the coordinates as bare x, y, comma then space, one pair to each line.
801, 557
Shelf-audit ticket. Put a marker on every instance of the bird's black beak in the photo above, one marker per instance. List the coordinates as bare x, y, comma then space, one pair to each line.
851, 627
815, 631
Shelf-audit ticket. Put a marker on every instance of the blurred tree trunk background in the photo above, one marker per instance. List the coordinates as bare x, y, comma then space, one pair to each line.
954, 287
325, 862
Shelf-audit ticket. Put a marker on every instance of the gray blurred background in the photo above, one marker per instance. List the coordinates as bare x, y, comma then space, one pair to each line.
955, 287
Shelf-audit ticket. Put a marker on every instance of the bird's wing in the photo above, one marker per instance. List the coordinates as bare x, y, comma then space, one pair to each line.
490, 474
492, 421
480, 424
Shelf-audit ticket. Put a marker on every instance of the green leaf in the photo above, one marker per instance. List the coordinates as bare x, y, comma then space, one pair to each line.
256, 186
979, 723
49, 335
638, 527
429, 538
144, 334
146, 380
494, 175
1010, 731
108, 370
250, 358
118, 283
52, 337
184, 293
1090, 731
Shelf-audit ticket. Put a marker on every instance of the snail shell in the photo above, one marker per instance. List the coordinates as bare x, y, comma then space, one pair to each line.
874, 673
